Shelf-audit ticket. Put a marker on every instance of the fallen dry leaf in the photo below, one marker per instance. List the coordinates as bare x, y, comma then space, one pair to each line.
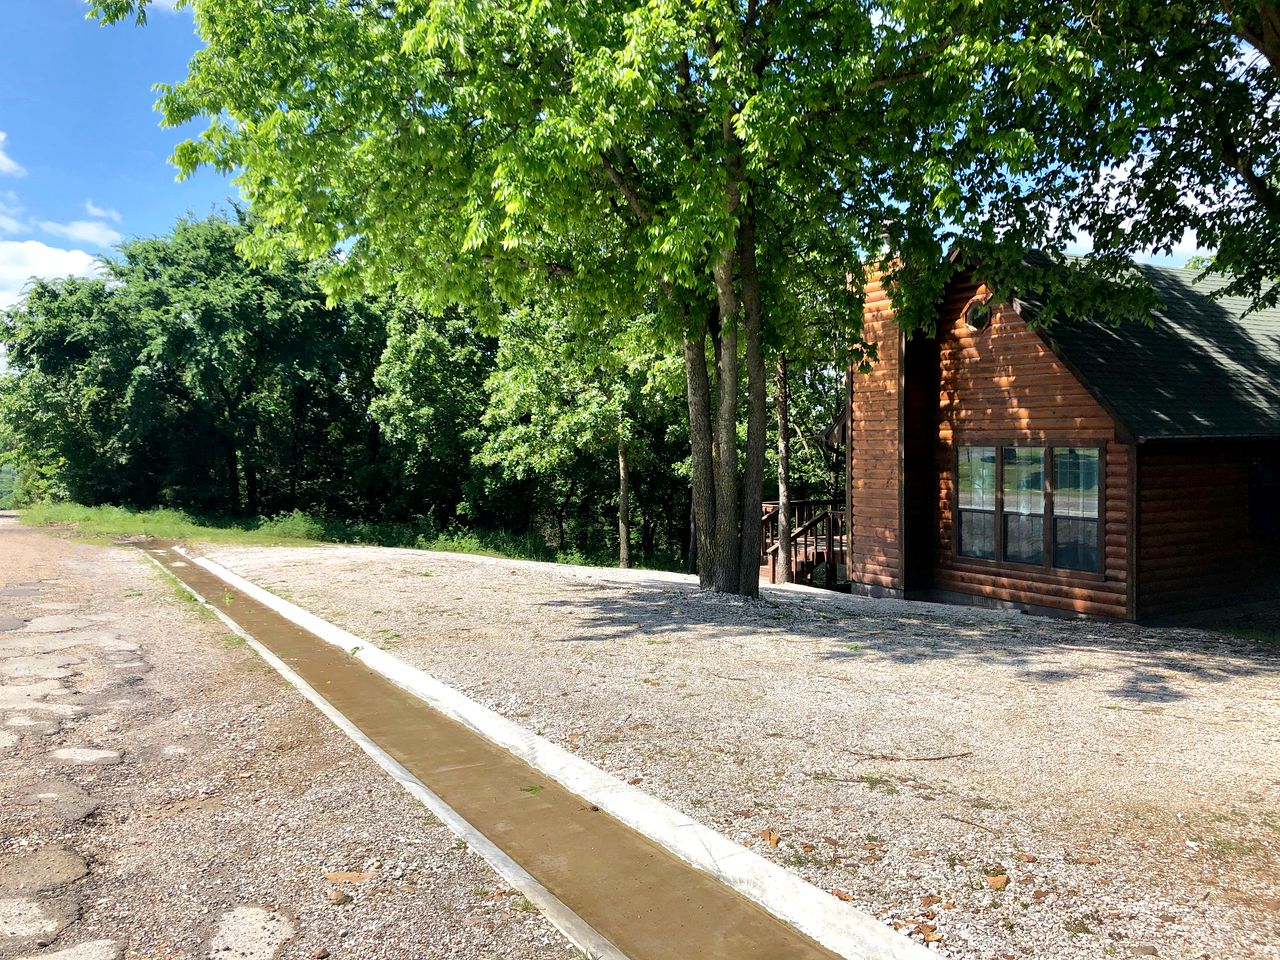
929, 932
844, 895
998, 882
1027, 858
769, 837
807, 847
929, 900
831, 840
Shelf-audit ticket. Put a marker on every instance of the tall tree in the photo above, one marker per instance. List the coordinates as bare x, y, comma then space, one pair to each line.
190, 377
628, 149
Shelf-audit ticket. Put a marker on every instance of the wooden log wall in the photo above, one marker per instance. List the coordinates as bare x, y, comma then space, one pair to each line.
875, 460
1197, 544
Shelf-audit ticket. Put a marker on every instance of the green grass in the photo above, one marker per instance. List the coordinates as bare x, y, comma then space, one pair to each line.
873, 782
298, 528
107, 522
189, 599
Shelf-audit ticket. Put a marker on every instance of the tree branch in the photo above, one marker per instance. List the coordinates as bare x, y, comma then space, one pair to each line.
628, 191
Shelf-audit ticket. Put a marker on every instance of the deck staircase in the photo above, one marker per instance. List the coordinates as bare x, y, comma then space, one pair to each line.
819, 543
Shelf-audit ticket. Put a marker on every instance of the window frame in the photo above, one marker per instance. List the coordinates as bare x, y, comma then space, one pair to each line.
1050, 446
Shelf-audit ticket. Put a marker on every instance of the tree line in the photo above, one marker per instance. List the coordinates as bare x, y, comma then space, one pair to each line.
188, 377
725, 174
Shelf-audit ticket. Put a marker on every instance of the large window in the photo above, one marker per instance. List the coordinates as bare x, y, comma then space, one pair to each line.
1035, 506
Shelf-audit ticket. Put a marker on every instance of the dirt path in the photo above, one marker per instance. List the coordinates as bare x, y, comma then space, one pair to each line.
1125, 781
164, 795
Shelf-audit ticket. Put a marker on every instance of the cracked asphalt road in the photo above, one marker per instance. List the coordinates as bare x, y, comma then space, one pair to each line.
164, 794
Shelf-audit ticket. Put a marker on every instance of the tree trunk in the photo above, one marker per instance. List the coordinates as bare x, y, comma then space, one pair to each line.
757, 410
251, 482
782, 402
624, 507
648, 525
725, 558
691, 540
232, 464
703, 504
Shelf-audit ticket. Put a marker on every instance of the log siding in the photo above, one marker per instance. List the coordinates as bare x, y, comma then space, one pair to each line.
1198, 542
875, 461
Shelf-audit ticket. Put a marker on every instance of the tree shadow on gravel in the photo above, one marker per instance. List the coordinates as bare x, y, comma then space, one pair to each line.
1144, 665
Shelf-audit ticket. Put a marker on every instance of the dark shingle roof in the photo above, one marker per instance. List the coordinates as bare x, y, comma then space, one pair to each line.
1203, 368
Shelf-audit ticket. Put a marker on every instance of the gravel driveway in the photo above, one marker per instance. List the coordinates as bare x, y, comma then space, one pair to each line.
996, 784
163, 794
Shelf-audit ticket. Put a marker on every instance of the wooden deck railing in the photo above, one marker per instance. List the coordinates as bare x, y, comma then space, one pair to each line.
818, 542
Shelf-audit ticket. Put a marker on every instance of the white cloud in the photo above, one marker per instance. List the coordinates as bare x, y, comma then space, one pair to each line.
101, 213
10, 211
83, 231
8, 166
22, 260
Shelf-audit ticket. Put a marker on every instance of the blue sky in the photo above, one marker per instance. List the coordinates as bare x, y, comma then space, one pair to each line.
83, 159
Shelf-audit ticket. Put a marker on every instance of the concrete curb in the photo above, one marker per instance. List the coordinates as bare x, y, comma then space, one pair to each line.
836, 925
580, 933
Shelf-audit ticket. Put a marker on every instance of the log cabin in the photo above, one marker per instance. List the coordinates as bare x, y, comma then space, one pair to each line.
1125, 471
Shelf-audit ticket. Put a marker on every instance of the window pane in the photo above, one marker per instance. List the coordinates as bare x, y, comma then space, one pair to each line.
976, 483
1023, 504
978, 534
1075, 543
1075, 483
977, 478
